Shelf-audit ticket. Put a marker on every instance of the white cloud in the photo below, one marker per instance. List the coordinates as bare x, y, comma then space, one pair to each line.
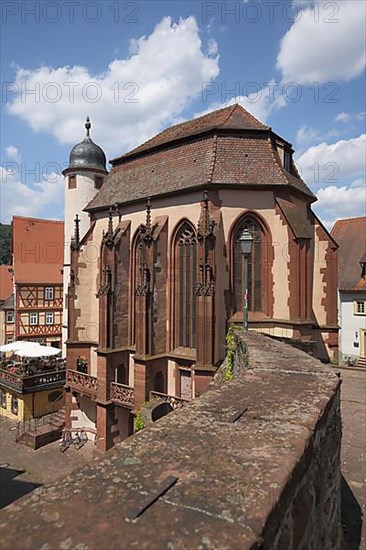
19, 198
326, 43
332, 163
306, 135
212, 47
12, 153
260, 103
129, 102
347, 117
341, 202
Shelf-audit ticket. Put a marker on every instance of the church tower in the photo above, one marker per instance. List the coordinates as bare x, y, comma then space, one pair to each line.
84, 177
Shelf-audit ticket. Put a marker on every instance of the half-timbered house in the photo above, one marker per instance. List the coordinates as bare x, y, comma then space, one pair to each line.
36, 314
6, 305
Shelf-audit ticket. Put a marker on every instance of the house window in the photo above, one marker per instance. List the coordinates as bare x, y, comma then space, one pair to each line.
254, 266
14, 405
49, 318
3, 399
10, 316
48, 293
186, 277
359, 307
33, 319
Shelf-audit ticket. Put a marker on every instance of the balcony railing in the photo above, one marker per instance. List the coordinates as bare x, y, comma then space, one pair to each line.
122, 395
174, 402
28, 384
83, 383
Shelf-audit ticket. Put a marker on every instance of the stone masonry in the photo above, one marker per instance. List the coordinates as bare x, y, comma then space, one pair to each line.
255, 463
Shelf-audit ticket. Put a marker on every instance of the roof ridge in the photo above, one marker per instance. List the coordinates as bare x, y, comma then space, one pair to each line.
36, 219
212, 120
253, 117
232, 109
347, 221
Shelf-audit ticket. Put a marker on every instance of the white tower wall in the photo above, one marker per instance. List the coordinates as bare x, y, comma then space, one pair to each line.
76, 199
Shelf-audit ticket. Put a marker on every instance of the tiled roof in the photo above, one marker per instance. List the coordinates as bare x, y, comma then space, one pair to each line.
296, 217
228, 118
224, 147
8, 303
6, 283
350, 234
38, 250
361, 285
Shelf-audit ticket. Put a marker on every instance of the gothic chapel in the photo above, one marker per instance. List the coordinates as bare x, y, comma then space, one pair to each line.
154, 269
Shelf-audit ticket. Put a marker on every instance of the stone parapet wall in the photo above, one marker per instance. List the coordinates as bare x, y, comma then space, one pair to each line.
256, 461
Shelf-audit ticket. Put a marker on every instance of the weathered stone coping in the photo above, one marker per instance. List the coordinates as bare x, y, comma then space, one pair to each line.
239, 483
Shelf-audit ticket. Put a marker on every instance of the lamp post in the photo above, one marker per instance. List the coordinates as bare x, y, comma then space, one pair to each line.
246, 243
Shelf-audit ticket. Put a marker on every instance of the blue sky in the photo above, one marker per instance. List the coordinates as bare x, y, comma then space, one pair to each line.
138, 67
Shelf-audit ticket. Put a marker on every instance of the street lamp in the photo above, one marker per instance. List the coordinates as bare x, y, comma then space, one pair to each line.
246, 243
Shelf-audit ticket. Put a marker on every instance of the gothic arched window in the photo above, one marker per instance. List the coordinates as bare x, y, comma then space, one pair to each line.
185, 285
255, 264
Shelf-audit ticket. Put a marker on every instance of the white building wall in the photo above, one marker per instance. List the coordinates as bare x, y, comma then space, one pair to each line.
351, 325
75, 200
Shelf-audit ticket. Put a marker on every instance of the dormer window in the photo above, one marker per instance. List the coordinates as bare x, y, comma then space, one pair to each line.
285, 154
287, 161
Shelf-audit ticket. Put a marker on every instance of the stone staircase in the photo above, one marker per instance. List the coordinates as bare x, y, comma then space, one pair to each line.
57, 419
361, 362
38, 432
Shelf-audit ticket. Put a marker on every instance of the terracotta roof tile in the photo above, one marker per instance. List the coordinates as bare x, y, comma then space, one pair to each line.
361, 285
350, 234
233, 153
38, 250
6, 282
228, 118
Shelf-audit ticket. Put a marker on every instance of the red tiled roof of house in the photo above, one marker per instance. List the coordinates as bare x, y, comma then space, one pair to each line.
350, 234
226, 147
361, 285
38, 250
6, 282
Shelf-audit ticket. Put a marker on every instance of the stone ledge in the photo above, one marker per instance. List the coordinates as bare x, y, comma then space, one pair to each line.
241, 485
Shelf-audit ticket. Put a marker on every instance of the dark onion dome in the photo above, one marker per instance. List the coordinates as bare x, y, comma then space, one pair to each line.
87, 154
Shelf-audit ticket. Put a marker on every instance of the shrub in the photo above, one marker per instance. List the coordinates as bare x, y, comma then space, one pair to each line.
230, 352
139, 422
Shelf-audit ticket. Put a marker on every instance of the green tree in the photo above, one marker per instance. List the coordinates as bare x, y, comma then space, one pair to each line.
5, 244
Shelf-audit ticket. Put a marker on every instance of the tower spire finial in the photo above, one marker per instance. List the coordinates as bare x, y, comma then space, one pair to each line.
87, 125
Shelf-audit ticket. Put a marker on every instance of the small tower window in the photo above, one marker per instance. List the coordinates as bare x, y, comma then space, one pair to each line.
72, 182
98, 182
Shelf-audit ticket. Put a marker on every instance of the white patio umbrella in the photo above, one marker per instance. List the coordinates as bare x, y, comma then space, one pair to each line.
30, 349
47, 351
33, 349
13, 346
